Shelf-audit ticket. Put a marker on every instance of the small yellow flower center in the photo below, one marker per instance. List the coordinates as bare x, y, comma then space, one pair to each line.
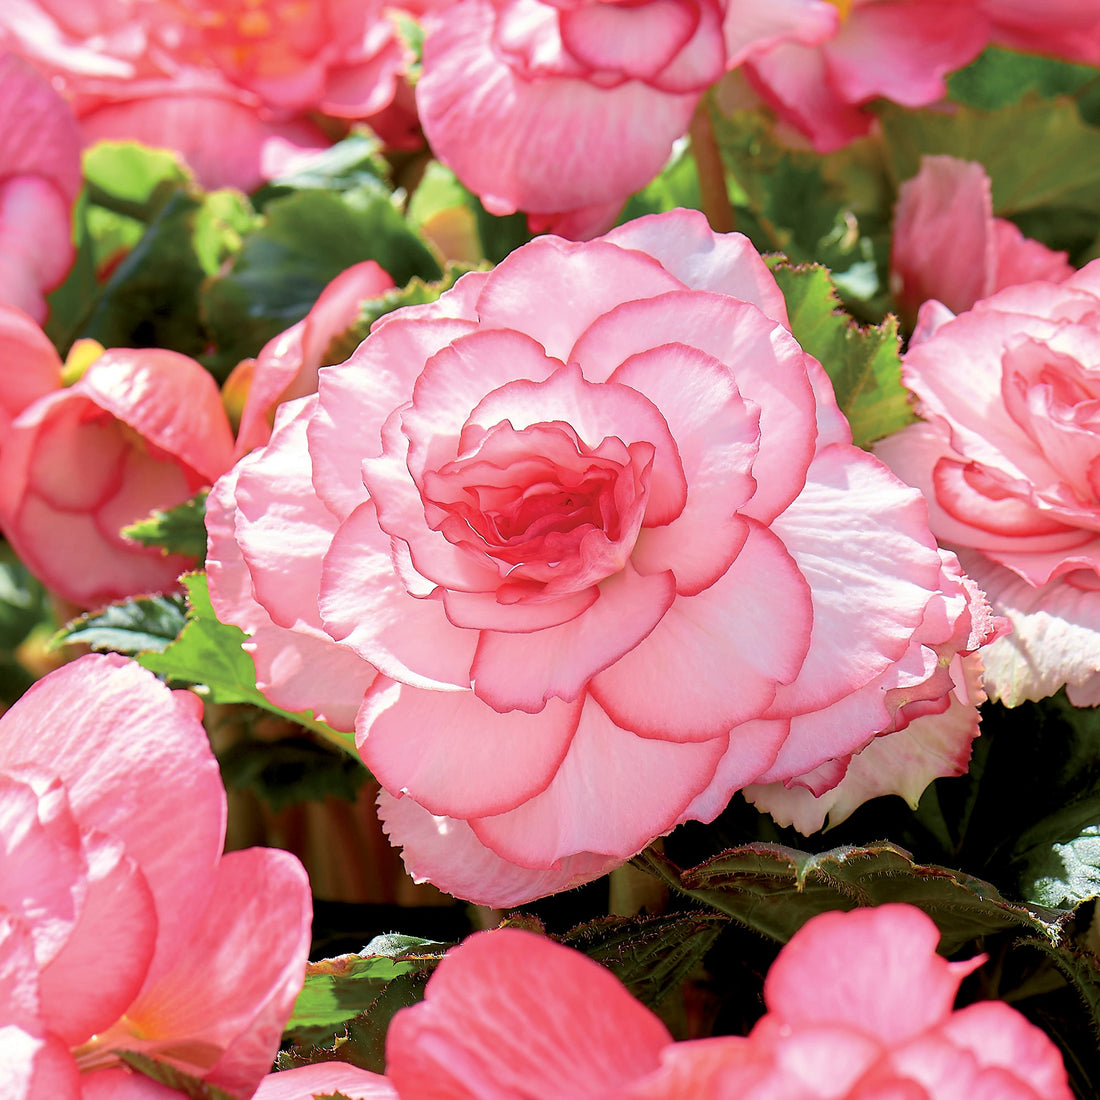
81, 356
842, 6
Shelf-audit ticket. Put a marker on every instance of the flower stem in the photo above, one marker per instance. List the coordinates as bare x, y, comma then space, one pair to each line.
712, 175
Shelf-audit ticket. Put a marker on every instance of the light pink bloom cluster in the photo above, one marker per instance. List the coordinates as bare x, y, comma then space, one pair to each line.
122, 925
227, 83
140, 430
1009, 459
902, 50
562, 108
39, 181
859, 1008
948, 246
587, 547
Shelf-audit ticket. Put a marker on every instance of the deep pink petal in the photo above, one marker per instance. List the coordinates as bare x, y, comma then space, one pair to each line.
737, 640
137, 766
613, 793
445, 851
874, 970
456, 755
523, 671
593, 1036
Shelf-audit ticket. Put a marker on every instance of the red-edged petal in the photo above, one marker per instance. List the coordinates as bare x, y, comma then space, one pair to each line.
445, 851
456, 755
463, 1038
715, 659
613, 794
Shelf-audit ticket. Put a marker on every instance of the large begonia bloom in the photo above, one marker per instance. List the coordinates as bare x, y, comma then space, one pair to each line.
287, 365
591, 534
859, 1006
122, 925
39, 182
142, 429
1008, 459
229, 85
562, 109
948, 246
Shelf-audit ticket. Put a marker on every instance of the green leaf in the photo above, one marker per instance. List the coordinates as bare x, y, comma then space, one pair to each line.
999, 78
337, 989
677, 185
309, 238
775, 890
651, 956
208, 654
180, 530
133, 179
353, 164
171, 1077
290, 771
1061, 166
416, 293
145, 624
862, 363
25, 614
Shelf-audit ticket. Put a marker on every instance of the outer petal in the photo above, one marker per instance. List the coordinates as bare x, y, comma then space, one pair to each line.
445, 851
613, 793
325, 1079
463, 1038
136, 766
456, 755
751, 27
33, 369
874, 970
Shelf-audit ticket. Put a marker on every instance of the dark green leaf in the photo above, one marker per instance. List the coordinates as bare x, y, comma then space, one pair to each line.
863, 363
208, 653
353, 164
309, 238
172, 1078
290, 771
145, 624
180, 530
999, 78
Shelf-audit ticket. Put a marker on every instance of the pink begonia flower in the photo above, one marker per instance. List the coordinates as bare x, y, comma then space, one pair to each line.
1067, 29
1008, 459
287, 366
562, 109
859, 1006
122, 925
142, 429
229, 85
588, 547
948, 246
39, 181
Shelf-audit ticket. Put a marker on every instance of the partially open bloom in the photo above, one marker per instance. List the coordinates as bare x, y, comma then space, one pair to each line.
287, 365
122, 925
142, 429
1008, 458
39, 181
563, 109
228, 85
597, 524
860, 1006
948, 246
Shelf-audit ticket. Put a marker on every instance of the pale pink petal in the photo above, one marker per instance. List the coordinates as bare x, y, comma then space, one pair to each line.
901, 763
865, 607
741, 637
246, 954
542, 145
524, 671
463, 1038
576, 283
33, 368
725, 263
456, 755
36, 248
1022, 260
120, 1083
724, 1066
160, 795
613, 793
445, 851
751, 26
325, 1079
874, 970
366, 608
